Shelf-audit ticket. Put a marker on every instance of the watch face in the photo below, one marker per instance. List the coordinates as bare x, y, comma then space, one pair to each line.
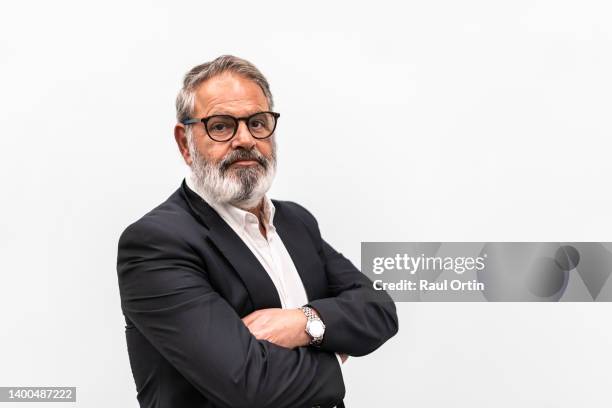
315, 328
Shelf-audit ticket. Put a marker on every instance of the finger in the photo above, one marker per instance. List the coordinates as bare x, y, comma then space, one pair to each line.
259, 334
251, 317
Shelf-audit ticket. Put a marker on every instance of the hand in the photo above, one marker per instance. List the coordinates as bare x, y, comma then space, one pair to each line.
283, 327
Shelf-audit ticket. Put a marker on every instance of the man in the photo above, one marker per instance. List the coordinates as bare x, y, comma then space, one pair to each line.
232, 299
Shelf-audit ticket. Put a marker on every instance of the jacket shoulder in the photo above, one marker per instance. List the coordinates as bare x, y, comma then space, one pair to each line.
294, 210
170, 220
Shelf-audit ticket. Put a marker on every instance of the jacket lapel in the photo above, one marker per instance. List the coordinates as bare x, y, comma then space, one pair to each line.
261, 289
296, 240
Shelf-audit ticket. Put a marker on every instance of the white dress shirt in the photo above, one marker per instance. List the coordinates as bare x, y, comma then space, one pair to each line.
269, 250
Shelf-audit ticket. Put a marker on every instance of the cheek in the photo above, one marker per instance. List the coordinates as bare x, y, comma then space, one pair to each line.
265, 147
213, 151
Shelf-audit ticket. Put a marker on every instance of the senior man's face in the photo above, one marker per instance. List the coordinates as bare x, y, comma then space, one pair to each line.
238, 171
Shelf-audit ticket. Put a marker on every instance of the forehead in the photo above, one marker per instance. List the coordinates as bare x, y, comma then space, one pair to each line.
229, 93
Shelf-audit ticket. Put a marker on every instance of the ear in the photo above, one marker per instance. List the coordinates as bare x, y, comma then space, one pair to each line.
181, 141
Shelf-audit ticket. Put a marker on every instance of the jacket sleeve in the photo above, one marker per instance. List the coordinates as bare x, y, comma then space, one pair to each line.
358, 319
165, 292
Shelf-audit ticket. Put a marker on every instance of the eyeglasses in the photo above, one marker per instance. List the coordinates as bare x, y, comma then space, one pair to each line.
222, 128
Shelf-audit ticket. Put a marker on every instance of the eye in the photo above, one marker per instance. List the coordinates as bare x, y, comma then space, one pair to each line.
256, 123
218, 127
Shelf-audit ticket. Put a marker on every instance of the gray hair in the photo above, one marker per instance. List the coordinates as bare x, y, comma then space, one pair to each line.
185, 100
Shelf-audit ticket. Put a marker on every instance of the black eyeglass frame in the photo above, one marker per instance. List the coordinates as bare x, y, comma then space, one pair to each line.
191, 121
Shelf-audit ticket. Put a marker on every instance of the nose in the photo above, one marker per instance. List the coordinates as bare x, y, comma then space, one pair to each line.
243, 137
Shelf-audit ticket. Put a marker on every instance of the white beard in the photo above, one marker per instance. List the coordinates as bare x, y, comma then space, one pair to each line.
238, 186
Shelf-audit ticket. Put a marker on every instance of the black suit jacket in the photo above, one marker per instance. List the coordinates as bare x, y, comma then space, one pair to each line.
186, 280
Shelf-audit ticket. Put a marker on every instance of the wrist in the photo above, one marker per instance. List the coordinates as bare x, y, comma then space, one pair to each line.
315, 328
303, 339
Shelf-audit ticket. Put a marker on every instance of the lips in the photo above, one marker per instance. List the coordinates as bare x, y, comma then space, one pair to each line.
245, 162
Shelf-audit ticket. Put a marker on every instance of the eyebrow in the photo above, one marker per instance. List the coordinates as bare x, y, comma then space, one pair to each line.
214, 113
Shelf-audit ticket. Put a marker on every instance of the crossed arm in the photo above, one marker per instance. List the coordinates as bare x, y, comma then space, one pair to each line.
353, 311
165, 292
283, 327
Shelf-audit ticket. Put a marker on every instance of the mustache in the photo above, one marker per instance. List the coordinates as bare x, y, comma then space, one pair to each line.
242, 154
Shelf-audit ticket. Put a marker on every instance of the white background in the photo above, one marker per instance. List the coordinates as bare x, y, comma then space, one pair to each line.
401, 121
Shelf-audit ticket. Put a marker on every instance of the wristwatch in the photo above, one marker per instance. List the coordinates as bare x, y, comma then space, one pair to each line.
314, 326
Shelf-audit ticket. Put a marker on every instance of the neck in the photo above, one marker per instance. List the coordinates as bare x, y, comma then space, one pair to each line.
257, 210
